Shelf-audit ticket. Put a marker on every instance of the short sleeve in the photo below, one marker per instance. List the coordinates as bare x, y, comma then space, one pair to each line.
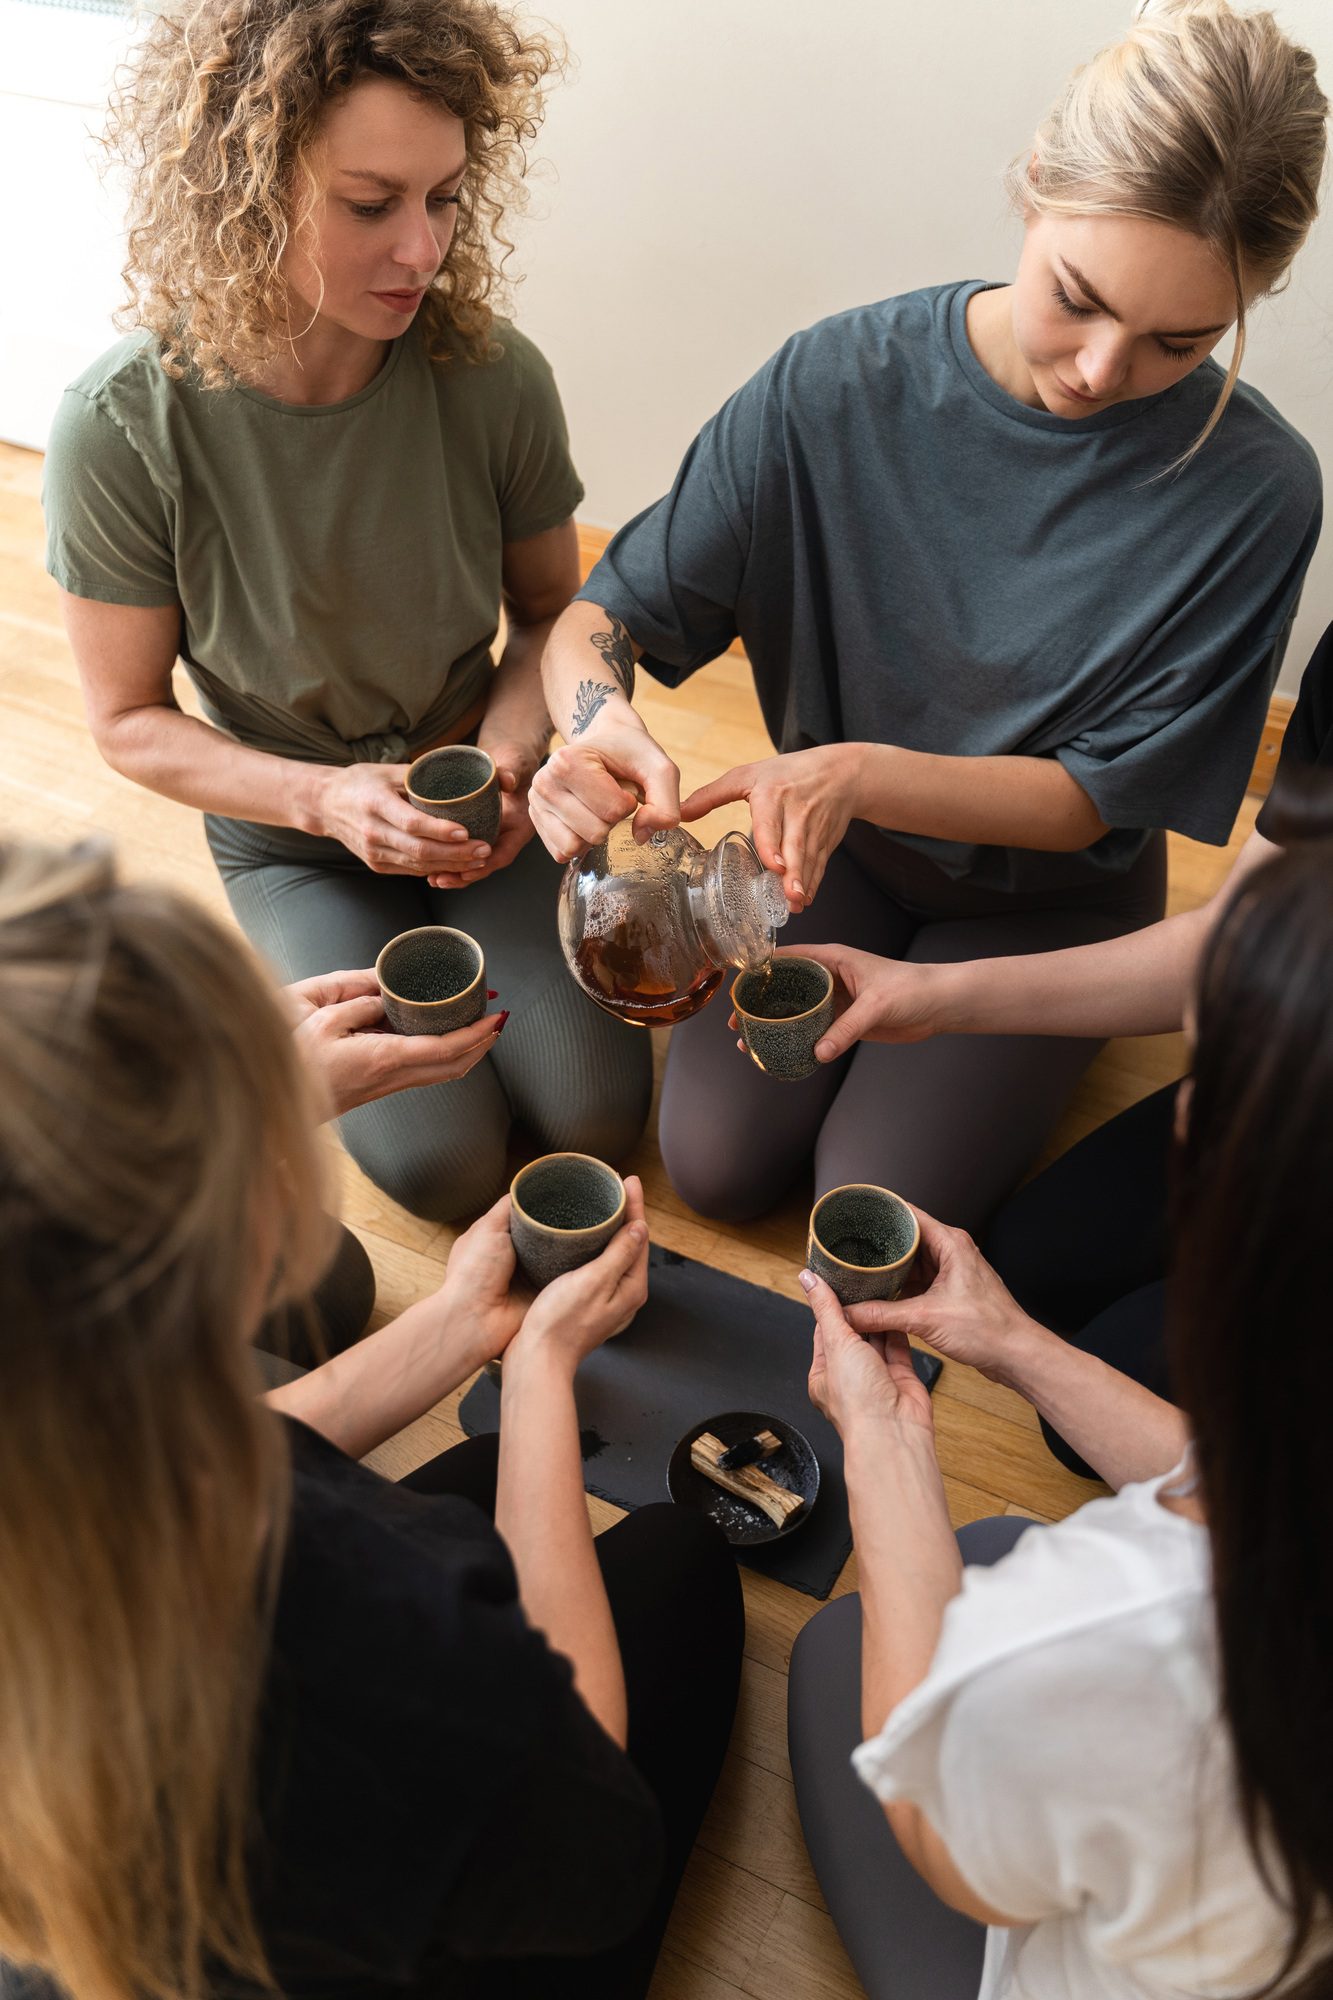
107, 532
1180, 753
1308, 741
674, 575
984, 1765
539, 485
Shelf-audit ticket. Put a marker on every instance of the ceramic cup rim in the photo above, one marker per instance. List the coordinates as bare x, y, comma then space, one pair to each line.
783, 1020
865, 1187
454, 798
551, 1228
434, 930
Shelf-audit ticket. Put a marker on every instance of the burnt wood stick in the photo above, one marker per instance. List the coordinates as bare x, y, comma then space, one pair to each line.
750, 1450
749, 1484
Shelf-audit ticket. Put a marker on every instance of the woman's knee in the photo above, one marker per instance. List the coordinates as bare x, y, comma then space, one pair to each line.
440, 1175
728, 1173
691, 1565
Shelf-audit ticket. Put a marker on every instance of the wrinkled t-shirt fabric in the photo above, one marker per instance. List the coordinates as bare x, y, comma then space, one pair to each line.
338, 566
911, 556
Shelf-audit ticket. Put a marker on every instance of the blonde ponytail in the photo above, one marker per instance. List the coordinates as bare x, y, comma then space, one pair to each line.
1206, 118
151, 1111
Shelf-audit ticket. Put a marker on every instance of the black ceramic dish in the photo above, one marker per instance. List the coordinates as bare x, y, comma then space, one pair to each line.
745, 1526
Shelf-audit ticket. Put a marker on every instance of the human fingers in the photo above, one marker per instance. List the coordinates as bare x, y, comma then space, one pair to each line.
413, 1061
354, 1016
723, 791
654, 778
326, 989
770, 829
829, 1315
846, 1029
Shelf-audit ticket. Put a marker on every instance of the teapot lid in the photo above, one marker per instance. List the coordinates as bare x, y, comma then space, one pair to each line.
746, 904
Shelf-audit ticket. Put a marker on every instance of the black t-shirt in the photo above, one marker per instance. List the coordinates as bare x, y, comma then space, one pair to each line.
1309, 738
432, 1789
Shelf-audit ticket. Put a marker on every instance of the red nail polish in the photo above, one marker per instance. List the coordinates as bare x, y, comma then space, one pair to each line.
500, 1020
492, 993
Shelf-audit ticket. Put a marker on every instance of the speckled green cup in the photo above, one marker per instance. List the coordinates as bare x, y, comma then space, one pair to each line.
458, 782
563, 1211
432, 980
782, 1009
862, 1242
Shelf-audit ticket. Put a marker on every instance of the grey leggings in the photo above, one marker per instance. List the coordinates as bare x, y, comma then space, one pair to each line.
904, 1942
952, 1123
579, 1080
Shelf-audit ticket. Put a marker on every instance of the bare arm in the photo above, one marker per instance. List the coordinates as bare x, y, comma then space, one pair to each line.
967, 1314
539, 576
802, 802
541, 1508
907, 1556
992, 801
125, 655
608, 762
367, 1394
1131, 985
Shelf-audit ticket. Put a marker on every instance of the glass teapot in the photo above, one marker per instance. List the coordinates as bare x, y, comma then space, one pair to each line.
648, 931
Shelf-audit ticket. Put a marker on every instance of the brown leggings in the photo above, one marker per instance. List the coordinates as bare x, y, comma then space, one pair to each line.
951, 1123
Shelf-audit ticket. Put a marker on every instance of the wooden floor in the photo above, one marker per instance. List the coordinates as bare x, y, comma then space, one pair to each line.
750, 1919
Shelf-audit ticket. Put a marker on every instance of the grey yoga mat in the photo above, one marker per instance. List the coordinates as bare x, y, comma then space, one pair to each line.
705, 1342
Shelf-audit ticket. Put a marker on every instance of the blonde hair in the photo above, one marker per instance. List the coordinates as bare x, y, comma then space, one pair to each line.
214, 127
1205, 118
151, 1108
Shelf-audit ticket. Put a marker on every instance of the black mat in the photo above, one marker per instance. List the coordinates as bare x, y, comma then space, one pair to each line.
705, 1342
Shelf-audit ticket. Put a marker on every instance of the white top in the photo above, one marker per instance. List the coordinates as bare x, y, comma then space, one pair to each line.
1068, 1747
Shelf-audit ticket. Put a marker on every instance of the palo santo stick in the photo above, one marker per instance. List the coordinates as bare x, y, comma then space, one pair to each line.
749, 1484
762, 1445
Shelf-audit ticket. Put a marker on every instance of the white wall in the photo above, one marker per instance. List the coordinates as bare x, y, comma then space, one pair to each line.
60, 236
716, 173
713, 174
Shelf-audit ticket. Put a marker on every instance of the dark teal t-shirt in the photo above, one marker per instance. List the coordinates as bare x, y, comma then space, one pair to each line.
911, 556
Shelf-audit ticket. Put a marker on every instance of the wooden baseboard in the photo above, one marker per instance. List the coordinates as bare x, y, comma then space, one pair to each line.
592, 541
1270, 745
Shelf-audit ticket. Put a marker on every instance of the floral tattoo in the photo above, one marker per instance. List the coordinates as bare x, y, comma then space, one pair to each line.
617, 649
588, 704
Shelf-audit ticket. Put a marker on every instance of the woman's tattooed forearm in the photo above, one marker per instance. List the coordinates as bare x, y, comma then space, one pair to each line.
617, 649
588, 703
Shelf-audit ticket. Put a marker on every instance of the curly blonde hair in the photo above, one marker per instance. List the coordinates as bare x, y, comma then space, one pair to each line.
213, 124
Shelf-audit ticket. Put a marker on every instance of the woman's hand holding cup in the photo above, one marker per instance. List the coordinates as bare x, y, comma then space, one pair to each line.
366, 808
857, 1381
577, 1313
956, 1304
341, 1033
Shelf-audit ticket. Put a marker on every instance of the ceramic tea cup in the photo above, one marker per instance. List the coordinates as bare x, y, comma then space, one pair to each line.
432, 980
862, 1242
782, 1009
563, 1211
460, 783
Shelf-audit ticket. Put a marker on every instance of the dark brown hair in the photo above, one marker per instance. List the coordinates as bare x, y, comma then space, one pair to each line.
1251, 1315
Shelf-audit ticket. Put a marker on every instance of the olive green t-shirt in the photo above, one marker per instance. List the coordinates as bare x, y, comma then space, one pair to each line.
337, 566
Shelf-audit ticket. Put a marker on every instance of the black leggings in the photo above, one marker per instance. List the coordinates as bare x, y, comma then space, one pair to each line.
675, 1598
1083, 1247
